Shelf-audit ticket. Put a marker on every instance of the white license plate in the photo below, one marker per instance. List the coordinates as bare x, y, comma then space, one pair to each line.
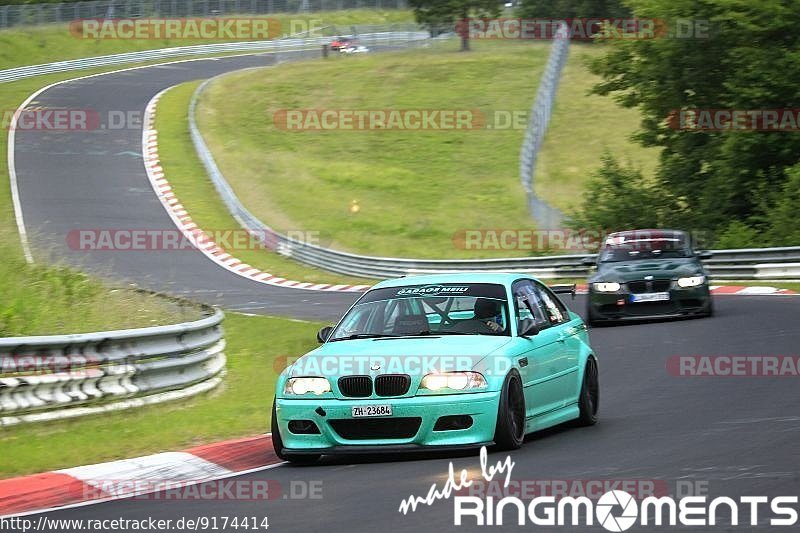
360, 411
650, 297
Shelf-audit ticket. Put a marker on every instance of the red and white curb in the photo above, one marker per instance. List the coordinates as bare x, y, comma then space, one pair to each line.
196, 235
128, 478
752, 291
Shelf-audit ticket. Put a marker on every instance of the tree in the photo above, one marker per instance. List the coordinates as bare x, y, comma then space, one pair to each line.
619, 197
744, 56
436, 14
569, 9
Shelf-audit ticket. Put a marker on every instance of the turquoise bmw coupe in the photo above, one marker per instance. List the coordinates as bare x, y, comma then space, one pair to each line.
439, 362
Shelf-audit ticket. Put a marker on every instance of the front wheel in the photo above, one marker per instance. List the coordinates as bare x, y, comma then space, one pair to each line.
277, 444
510, 430
589, 400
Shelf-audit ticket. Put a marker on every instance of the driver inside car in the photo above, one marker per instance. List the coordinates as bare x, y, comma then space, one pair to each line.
487, 318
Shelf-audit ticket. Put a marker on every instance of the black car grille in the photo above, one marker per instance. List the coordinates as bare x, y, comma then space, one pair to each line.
377, 428
656, 285
392, 384
355, 386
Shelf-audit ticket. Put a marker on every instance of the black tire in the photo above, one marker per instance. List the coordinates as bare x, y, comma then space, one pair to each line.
277, 445
710, 311
589, 399
509, 432
591, 318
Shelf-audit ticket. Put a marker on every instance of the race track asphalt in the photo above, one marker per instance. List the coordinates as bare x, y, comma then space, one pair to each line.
735, 436
95, 180
738, 435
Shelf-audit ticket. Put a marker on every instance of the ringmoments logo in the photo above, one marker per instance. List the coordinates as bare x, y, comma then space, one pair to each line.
615, 510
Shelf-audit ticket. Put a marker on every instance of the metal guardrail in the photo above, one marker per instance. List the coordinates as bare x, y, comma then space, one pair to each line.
61, 376
367, 35
54, 13
545, 215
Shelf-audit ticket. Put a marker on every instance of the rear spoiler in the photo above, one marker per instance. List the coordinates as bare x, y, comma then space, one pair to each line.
564, 289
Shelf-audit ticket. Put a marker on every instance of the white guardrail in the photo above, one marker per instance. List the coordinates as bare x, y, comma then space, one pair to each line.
63, 376
400, 35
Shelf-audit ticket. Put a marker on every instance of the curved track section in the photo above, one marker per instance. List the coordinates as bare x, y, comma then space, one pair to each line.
734, 436
84, 180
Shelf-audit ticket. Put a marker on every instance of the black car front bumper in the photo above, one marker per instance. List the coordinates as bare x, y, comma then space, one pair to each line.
618, 306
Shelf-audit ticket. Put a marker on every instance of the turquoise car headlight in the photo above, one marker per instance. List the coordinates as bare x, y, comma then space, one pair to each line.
304, 385
453, 380
692, 281
606, 287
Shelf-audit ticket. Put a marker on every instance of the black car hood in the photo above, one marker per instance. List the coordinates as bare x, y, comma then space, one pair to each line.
624, 271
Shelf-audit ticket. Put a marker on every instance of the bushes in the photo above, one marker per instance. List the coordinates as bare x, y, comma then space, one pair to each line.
619, 197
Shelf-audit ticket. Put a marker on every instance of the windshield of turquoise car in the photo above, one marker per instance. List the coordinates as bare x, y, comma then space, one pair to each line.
426, 310
644, 248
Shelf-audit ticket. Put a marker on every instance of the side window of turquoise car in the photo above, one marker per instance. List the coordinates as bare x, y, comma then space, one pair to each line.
528, 303
556, 311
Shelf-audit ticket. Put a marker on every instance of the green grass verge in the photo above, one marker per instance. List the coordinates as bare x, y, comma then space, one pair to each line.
582, 128
44, 44
415, 189
51, 300
194, 189
238, 407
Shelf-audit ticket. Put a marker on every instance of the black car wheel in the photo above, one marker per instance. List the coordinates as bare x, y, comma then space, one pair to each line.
589, 400
710, 311
277, 445
510, 430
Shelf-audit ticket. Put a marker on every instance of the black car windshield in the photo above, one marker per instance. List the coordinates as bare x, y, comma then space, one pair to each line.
634, 247
419, 310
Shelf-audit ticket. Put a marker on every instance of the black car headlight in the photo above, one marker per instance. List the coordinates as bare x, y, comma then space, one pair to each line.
606, 286
691, 281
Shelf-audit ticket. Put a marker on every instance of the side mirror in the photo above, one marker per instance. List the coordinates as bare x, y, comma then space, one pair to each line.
589, 260
324, 333
704, 254
527, 328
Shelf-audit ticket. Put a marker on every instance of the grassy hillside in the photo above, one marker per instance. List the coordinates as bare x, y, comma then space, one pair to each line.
415, 190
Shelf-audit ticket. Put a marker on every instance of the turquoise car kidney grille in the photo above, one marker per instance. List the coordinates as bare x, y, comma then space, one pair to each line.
392, 384
355, 386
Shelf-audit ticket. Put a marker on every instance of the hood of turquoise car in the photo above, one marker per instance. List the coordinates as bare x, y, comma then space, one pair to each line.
404, 355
